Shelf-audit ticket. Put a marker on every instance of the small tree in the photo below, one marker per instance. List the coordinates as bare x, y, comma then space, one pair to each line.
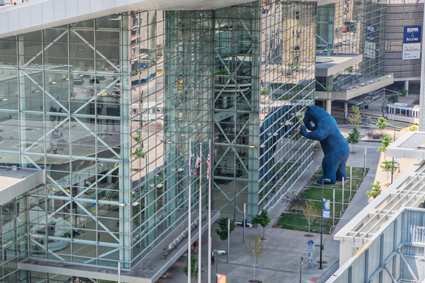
193, 266
310, 212
375, 191
381, 123
355, 118
389, 166
222, 228
413, 128
263, 220
385, 143
353, 136
256, 248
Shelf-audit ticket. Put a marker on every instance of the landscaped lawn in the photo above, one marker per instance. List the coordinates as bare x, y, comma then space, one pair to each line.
296, 218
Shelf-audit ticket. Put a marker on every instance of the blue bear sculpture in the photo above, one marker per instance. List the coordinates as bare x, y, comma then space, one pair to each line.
319, 125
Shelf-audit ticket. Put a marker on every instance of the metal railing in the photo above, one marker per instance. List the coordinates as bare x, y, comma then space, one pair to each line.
401, 1
12, 2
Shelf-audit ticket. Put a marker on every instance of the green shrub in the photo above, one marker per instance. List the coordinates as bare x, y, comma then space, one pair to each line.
353, 136
263, 220
222, 228
385, 143
381, 123
375, 191
413, 128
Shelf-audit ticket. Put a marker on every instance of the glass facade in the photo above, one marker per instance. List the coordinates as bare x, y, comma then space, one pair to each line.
236, 83
88, 103
63, 110
13, 238
112, 107
325, 29
356, 29
287, 87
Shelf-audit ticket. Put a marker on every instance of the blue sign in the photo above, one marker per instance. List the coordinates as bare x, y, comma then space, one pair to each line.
412, 34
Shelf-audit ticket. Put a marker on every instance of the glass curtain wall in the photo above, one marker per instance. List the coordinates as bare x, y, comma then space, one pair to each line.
357, 30
147, 130
287, 87
372, 38
61, 110
172, 98
13, 238
325, 29
236, 107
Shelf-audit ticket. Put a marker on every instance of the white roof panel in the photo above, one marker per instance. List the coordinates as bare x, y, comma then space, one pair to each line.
14, 183
39, 14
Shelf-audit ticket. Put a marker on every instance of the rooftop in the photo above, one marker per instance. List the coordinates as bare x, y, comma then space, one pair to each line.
410, 145
16, 181
407, 191
393, 255
358, 89
40, 14
332, 65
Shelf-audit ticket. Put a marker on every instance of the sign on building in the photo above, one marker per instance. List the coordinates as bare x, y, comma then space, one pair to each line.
412, 37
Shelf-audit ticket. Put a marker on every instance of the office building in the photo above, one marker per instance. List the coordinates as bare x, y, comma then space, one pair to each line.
350, 51
105, 100
405, 65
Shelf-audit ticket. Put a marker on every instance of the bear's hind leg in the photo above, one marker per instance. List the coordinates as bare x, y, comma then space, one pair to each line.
341, 172
329, 167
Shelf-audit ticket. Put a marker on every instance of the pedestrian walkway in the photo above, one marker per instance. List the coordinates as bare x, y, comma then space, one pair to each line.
282, 250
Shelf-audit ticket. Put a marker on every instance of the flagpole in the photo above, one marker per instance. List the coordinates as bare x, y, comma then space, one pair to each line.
189, 218
200, 217
209, 172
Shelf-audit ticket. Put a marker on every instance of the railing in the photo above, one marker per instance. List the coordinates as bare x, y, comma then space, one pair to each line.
12, 2
402, 1
328, 272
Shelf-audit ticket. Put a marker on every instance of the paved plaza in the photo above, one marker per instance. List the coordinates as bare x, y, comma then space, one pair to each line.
282, 249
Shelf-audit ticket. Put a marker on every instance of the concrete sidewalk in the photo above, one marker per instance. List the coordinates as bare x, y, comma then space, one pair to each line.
279, 261
282, 249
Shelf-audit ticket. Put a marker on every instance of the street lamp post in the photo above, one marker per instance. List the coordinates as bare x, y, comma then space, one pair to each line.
422, 90
321, 229
321, 225
301, 269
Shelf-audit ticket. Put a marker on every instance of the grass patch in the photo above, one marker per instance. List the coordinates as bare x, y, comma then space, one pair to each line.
296, 217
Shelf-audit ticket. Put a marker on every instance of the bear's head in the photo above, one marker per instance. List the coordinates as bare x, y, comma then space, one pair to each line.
313, 115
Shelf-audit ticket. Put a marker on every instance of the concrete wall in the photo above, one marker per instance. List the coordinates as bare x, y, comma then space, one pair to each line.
396, 17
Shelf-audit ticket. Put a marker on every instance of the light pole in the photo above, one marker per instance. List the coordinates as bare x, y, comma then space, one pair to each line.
321, 225
321, 229
392, 160
301, 269
422, 90
228, 239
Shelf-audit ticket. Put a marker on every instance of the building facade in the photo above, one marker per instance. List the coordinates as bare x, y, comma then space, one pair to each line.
398, 15
120, 111
350, 40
